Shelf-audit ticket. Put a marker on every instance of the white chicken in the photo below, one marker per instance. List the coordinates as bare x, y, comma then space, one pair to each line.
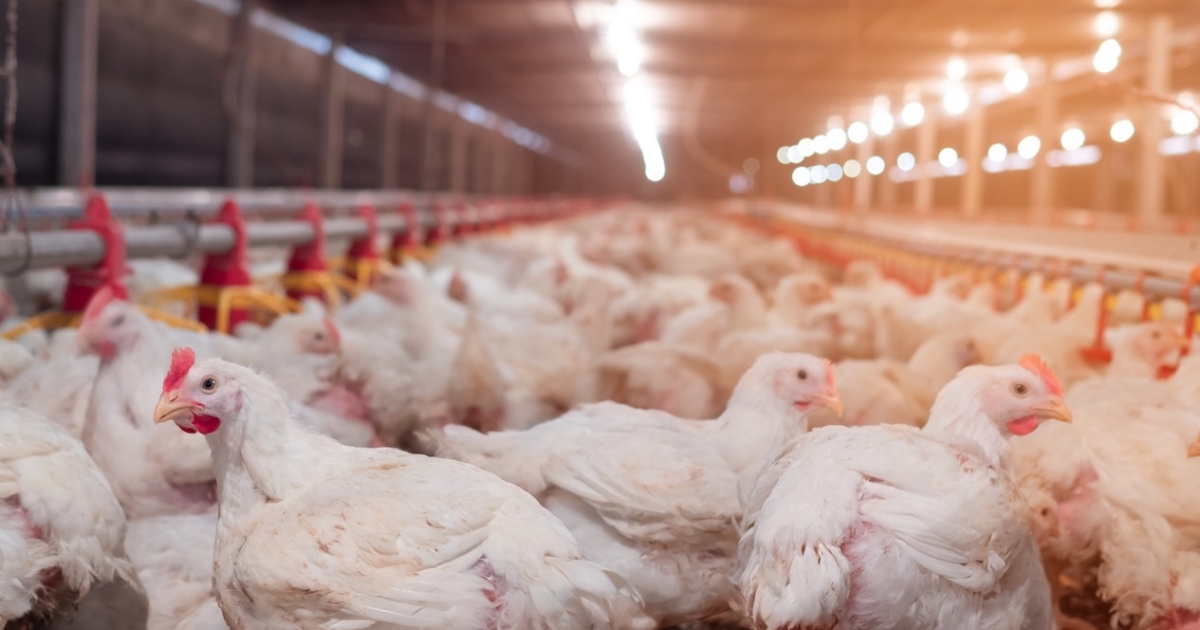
453, 547
896, 527
652, 496
61, 528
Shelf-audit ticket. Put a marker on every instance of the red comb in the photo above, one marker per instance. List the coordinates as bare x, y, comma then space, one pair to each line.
181, 361
1038, 366
101, 299
333, 332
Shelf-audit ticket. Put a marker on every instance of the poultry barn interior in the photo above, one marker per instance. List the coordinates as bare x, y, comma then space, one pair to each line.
592, 314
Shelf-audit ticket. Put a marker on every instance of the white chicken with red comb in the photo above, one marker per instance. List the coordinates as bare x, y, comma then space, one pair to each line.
890, 526
652, 496
312, 533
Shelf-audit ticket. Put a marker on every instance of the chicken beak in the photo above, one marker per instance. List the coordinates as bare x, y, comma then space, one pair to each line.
1056, 409
171, 408
830, 402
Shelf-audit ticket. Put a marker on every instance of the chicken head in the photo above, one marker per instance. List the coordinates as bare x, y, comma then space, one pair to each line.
109, 324
196, 402
801, 381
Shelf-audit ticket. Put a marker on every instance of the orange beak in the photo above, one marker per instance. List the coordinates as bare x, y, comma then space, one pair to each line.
171, 408
829, 401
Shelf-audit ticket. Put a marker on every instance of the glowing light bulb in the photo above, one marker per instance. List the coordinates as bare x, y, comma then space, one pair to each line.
956, 69
1184, 122
956, 101
997, 153
948, 157
1072, 139
782, 155
1107, 57
857, 132
806, 147
875, 165
852, 169
834, 172
1106, 24
821, 145
801, 177
818, 174
837, 139
1028, 147
906, 161
882, 122
912, 114
1121, 131
1016, 80
794, 155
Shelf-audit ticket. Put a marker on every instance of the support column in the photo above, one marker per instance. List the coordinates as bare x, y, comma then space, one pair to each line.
333, 120
972, 190
862, 185
500, 164
1151, 130
458, 155
887, 186
430, 157
389, 145
240, 143
926, 154
77, 84
1041, 192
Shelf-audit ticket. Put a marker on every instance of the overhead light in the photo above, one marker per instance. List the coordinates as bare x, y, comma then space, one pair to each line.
906, 161
857, 132
913, 113
875, 165
956, 101
997, 152
956, 69
625, 46
1184, 122
1016, 80
801, 177
834, 172
1028, 147
782, 155
1108, 55
1106, 24
821, 145
642, 121
1121, 131
882, 122
750, 166
818, 174
948, 157
806, 147
837, 139
1072, 138
795, 155
852, 169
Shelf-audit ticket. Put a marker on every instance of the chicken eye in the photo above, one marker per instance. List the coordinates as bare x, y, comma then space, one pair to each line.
209, 384
118, 320
319, 336
802, 375
1155, 335
1020, 389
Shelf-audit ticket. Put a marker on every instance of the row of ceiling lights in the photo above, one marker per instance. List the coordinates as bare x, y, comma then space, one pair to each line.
1072, 140
956, 101
626, 46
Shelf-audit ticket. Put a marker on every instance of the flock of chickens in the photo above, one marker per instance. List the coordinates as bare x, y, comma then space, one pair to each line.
641, 418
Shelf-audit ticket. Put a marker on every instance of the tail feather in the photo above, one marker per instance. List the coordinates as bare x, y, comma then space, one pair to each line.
571, 590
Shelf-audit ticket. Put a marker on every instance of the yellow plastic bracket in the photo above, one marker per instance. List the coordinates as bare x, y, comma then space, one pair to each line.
227, 299
51, 320
363, 272
328, 282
